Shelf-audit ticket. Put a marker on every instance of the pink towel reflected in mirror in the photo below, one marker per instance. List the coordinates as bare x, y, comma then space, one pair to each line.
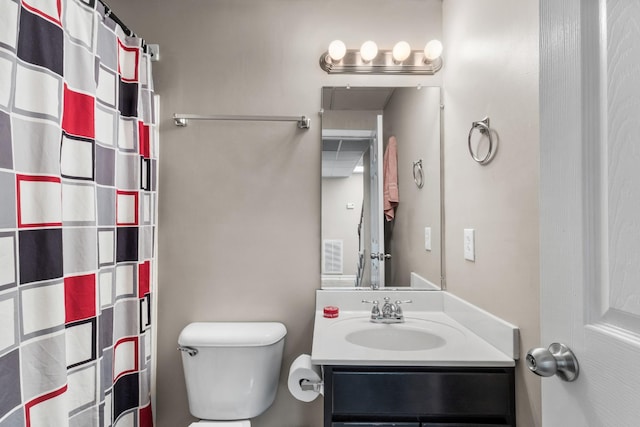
390, 179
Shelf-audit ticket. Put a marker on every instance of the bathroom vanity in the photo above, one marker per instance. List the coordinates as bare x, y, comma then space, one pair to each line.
447, 363
418, 396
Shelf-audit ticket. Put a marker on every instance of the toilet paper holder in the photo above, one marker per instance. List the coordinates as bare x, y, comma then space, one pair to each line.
307, 385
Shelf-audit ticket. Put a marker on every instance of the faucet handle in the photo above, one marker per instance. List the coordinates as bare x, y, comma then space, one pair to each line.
399, 312
375, 310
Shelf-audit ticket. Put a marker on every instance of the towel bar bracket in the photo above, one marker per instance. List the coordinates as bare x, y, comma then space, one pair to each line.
304, 122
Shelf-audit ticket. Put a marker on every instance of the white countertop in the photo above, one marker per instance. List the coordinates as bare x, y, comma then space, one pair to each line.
463, 347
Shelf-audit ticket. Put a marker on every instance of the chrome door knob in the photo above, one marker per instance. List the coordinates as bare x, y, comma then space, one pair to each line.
558, 360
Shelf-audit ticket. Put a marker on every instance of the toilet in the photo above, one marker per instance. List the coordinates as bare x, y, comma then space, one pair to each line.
231, 370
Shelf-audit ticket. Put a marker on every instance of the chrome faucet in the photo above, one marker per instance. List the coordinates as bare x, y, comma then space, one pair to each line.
390, 313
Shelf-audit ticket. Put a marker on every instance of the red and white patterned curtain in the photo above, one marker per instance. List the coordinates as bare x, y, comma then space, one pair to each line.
78, 162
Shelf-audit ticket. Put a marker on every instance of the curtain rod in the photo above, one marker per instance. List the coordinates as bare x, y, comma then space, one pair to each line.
109, 13
153, 50
303, 121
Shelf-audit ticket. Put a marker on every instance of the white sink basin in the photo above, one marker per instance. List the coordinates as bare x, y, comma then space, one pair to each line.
428, 336
391, 337
414, 334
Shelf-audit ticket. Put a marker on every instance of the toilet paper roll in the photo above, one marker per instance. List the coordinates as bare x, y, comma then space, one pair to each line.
302, 369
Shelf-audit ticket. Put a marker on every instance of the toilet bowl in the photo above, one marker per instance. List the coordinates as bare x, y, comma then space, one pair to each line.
231, 370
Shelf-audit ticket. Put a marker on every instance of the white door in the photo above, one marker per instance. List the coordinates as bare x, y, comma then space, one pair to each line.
590, 208
377, 210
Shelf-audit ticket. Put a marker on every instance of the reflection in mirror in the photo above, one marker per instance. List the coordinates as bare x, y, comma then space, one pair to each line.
364, 245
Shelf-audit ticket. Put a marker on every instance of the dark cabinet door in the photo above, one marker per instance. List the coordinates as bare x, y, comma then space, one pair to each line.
369, 396
375, 424
406, 394
462, 425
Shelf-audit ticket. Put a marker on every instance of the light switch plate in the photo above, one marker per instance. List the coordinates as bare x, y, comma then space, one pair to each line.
427, 238
469, 244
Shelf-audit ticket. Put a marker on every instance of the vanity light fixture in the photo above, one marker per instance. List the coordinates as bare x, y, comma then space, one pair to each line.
337, 50
401, 52
369, 60
368, 51
433, 50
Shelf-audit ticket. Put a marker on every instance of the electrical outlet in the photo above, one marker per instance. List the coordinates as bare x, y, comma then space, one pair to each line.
469, 244
427, 238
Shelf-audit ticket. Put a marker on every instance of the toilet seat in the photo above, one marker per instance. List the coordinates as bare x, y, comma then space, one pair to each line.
241, 423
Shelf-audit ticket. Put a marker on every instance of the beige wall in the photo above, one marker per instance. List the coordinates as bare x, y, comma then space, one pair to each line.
340, 223
239, 215
492, 70
350, 119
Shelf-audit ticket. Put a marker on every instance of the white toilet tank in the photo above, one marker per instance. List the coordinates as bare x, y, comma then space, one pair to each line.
234, 370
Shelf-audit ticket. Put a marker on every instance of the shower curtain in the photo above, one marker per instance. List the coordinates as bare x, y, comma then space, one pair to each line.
78, 158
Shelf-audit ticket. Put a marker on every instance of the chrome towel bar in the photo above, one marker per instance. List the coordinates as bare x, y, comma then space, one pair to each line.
303, 122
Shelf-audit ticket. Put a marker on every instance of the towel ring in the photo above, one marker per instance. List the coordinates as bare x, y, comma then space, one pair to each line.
483, 126
418, 173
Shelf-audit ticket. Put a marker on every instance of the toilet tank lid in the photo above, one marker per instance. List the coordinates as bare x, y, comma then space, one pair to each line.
231, 334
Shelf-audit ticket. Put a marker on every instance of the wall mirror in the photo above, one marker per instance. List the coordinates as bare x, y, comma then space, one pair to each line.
362, 246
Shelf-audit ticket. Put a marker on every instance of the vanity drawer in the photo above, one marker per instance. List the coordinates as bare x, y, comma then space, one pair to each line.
462, 425
432, 397
375, 425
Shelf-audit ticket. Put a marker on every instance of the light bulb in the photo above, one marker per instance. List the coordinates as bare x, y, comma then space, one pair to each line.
337, 50
368, 51
401, 51
433, 50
